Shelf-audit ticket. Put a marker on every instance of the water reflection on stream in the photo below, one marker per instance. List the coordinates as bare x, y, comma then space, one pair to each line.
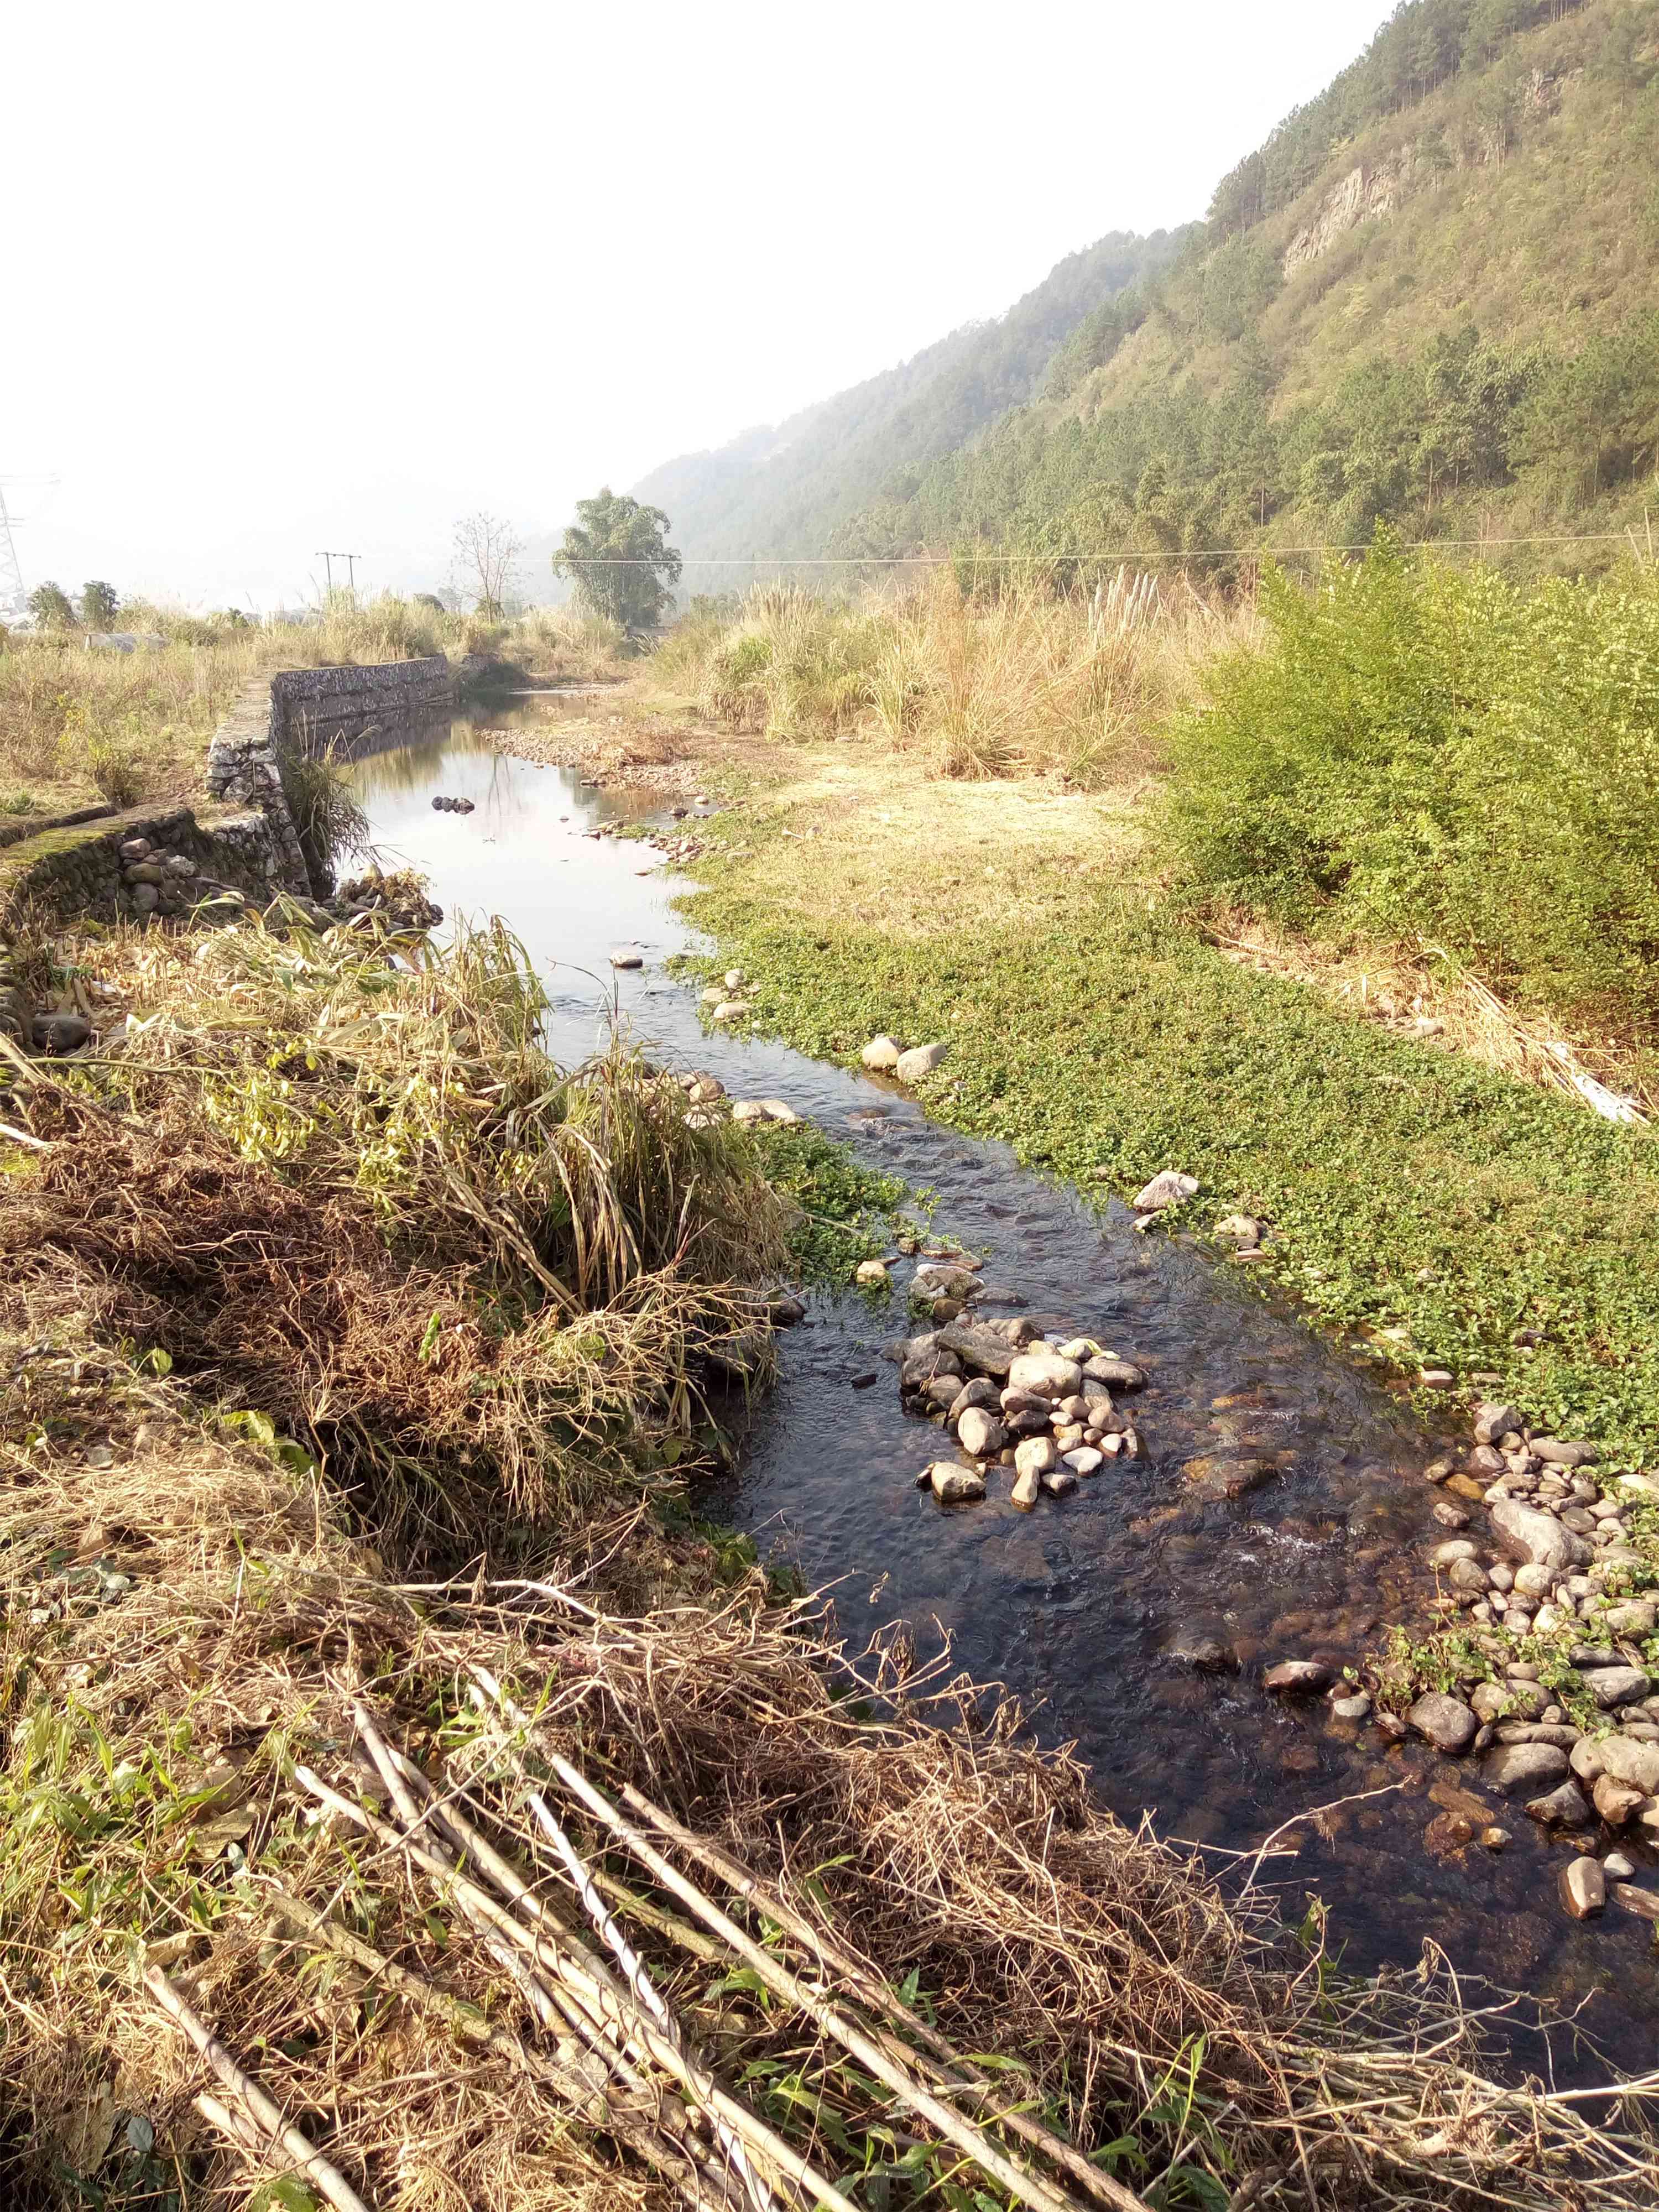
1080, 1606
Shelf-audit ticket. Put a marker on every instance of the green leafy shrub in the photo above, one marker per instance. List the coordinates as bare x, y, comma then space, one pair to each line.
1421, 753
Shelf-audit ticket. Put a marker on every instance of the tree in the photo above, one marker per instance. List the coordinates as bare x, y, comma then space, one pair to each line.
486, 548
99, 604
619, 554
51, 606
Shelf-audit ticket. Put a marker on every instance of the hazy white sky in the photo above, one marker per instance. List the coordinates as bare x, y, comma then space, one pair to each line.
329, 275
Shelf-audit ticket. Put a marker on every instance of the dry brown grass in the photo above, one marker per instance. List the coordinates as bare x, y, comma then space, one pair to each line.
1025, 678
73, 722
199, 1656
494, 1275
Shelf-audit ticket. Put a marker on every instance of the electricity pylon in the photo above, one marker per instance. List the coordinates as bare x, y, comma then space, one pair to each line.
13, 600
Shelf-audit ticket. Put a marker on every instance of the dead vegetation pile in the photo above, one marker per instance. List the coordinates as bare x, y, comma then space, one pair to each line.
590, 1881
355, 1196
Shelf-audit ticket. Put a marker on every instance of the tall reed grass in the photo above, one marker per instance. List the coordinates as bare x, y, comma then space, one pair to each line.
1024, 676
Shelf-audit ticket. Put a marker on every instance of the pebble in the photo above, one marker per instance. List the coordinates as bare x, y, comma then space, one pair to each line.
1616, 1800
921, 1060
880, 1056
1494, 1419
975, 1392
1026, 1486
1240, 1229
1514, 1767
978, 1433
1628, 1759
1583, 1889
1167, 1188
1563, 1808
954, 1484
1351, 1708
626, 955
1045, 1373
1539, 1536
872, 1273
1035, 1455
730, 1010
1616, 1685
1446, 1722
1085, 1460
1305, 1676
1059, 1481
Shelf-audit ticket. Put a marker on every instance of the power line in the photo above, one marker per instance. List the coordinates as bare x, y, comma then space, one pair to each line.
1041, 560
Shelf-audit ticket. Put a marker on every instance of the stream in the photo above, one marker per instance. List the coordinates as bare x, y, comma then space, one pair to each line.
1084, 1607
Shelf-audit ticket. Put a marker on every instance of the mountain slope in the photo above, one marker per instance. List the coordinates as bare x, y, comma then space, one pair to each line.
785, 489
1432, 298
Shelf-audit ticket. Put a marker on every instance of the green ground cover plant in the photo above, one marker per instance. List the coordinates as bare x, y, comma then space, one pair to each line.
1406, 1186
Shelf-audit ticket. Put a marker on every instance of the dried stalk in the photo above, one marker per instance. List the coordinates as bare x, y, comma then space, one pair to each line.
646, 1994
267, 2115
1031, 2189
608, 2007
954, 2072
675, 2162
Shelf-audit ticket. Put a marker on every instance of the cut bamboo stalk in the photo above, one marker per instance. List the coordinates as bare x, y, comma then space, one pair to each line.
668, 2155
979, 2091
237, 2125
1031, 2189
267, 2114
639, 1981
408, 1812
959, 2072
608, 2003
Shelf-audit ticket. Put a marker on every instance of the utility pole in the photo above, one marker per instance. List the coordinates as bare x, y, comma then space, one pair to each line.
351, 559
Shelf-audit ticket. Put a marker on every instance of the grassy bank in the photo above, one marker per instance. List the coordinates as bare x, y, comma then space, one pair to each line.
366, 1689
77, 726
1501, 1229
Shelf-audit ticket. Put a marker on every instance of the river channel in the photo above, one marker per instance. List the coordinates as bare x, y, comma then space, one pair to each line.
1084, 1607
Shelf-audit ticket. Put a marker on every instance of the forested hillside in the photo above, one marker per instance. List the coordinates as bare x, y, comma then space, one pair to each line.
783, 488
1432, 297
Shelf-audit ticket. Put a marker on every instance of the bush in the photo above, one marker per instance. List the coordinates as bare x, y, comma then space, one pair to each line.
1423, 753
114, 771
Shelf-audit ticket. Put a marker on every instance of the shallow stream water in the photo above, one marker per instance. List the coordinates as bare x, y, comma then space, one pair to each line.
1082, 1607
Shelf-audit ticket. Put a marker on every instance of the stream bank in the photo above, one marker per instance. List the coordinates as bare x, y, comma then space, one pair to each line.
1099, 1610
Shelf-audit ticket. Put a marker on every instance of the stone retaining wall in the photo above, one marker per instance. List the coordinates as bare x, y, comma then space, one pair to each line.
247, 841
65, 872
14, 832
308, 709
